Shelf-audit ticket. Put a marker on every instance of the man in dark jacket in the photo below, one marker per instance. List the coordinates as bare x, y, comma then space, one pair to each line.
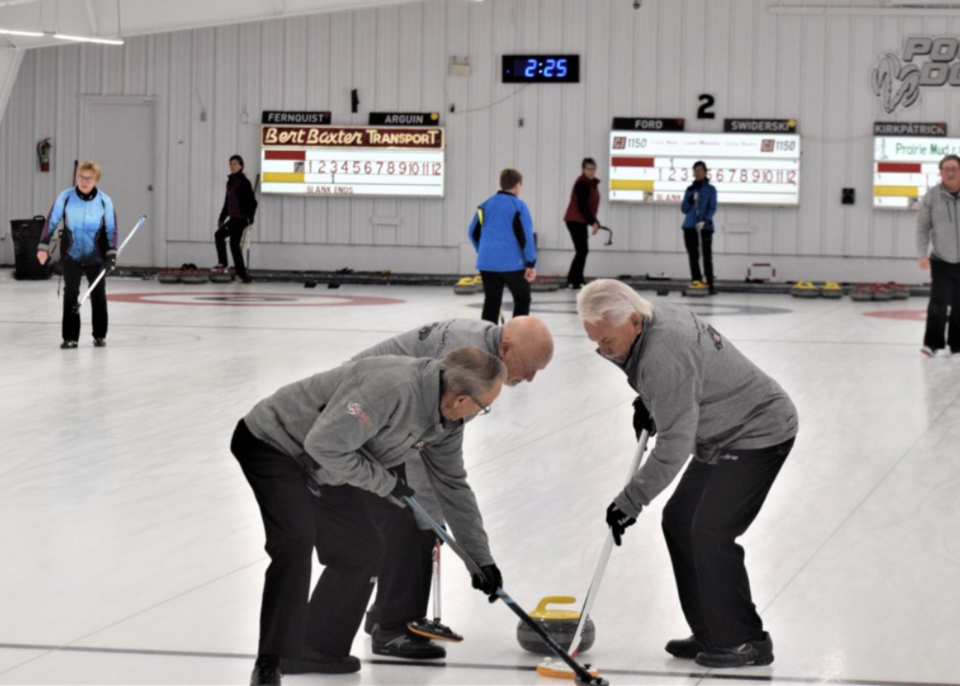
239, 208
581, 213
698, 206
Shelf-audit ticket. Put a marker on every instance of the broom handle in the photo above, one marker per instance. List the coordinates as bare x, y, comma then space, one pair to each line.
604, 556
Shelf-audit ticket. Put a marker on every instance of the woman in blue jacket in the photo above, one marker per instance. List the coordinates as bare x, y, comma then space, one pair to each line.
699, 205
88, 244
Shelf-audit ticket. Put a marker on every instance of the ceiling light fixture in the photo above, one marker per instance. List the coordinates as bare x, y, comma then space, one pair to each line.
83, 39
12, 32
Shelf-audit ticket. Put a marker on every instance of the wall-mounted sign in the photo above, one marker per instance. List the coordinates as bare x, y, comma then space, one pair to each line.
353, 160
924, 62
540, 68
760, 125
899, 128
904, 169
404, 118
647, 124
747, 169
315, 118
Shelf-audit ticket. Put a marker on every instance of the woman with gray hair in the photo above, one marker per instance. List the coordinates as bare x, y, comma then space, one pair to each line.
706, 398
325, 458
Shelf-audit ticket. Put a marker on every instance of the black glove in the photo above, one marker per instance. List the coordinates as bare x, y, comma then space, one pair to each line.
618, 521
489, 581
110, 260
642, 418
401, 490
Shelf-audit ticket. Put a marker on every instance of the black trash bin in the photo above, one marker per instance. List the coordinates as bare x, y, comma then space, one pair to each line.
26, 238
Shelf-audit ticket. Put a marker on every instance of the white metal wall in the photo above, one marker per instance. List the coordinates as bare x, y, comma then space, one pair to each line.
649, 62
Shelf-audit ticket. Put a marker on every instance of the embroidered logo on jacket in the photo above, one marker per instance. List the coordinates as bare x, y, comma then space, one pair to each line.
717, 341
420, 445
425, 331
358, 412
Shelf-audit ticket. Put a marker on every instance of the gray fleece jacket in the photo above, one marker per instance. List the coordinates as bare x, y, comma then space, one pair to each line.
938, 222
351, 424
705, 397
435, 341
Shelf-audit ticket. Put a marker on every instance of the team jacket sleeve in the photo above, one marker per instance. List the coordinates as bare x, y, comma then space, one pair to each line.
346, 424
687, 203
675, 407
448, 476
54, 218
530, 247
711, 208
924, 226
474, 231
110, 222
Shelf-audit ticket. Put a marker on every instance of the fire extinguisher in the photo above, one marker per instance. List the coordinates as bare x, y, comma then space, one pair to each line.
43, 154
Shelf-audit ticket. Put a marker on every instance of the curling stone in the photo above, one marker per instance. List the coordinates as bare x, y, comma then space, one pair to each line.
805, 289
221, 276
697, 289
898, 291
169, 276
861, 293
560, 625
192, 276
544, 285
879, 291
831, 290
467, 285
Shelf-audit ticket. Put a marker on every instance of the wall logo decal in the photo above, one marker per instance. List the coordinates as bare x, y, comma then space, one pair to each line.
924, 62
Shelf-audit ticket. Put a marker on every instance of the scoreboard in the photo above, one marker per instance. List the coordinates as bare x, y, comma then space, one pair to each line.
748, 169
353, 160
904, 169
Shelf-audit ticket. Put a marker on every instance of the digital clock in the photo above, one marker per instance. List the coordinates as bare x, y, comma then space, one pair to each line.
541, 69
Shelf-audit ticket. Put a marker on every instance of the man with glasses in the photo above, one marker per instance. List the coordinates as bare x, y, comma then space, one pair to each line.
324, 457
88, 243
939, 225
525, 346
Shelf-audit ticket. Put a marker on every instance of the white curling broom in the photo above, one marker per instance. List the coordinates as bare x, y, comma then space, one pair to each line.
103, 272
548, 667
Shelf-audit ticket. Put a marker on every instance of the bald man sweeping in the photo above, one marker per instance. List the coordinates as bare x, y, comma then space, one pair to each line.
525, 346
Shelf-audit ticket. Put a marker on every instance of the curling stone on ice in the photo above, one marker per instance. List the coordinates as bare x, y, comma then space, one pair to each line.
190, 273
468, 285
171, 275
697, 289
560, 625
831, 290
544, 285
805, 289
220, 275
861, 293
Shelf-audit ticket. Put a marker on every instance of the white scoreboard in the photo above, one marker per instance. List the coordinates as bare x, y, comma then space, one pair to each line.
748, 169
904, 169
353, 160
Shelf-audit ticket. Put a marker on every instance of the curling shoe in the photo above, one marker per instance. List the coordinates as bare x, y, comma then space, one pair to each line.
68, 345
752, 653
266, 674
403, 644
314, 662
99, 342
686, 648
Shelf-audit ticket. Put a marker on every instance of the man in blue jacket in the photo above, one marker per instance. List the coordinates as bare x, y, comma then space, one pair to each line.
88, 243
699, 205
502, 233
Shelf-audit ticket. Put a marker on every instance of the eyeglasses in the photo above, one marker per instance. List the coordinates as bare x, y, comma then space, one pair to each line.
950, 170
484, 409
87, 179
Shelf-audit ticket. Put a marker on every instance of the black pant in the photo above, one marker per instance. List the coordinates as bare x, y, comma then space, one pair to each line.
73, 272
493, 283
403, 585
578, 233
233, 230
712, 506
943, 312
693, 240
340, 524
